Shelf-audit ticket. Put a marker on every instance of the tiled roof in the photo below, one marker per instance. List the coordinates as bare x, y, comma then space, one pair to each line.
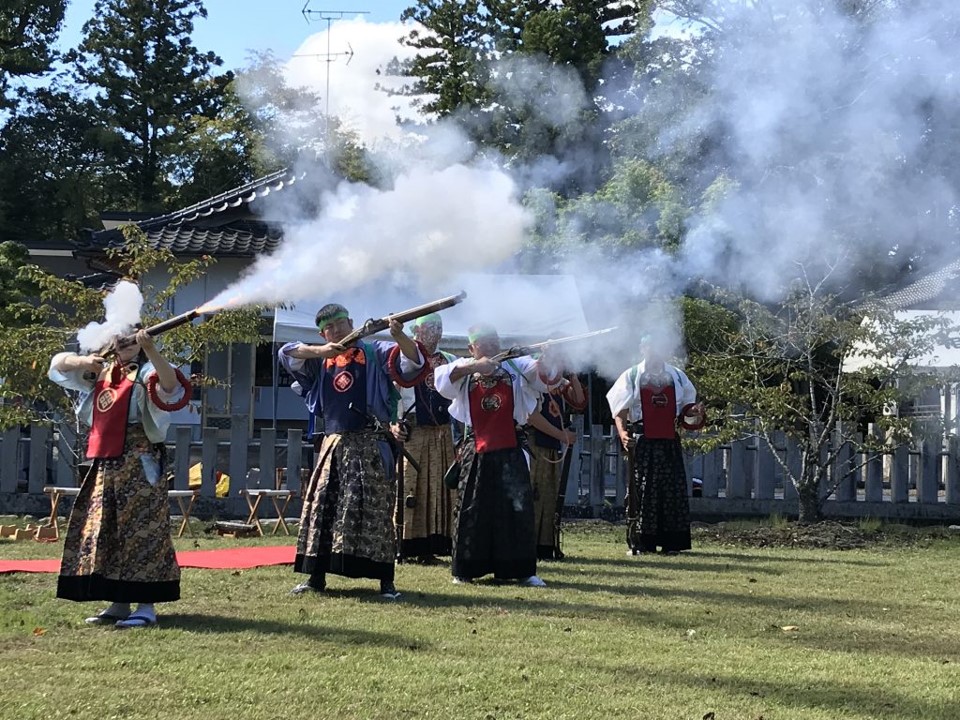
927, 290
229, 240
194, 230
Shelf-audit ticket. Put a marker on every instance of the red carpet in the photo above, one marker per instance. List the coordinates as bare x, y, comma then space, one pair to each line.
226, 559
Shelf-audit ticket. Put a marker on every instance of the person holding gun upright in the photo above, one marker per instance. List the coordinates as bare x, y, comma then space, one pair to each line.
118, 547
494, 530
428, 503
347, 524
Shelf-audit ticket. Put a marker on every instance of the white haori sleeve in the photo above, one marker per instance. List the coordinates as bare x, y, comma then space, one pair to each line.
410, 367
293, 364
623, 395
458, 392
685, 391
526, 393
71, 380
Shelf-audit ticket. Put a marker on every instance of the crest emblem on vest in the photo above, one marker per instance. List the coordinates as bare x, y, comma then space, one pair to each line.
106, 399
659, 400
491, 403
342, 382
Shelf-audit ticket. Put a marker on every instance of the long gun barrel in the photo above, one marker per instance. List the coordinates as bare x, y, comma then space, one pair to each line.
373, 326
154, 330
522, 350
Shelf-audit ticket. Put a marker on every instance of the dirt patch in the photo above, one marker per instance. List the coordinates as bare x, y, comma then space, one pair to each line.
827, 534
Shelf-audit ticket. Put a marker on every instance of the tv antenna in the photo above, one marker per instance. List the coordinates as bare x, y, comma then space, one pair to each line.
329, 56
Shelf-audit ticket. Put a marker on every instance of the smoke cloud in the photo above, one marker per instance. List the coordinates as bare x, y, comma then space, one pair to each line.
122, 307
824, 152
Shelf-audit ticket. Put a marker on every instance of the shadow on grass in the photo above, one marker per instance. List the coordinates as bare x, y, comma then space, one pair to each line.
868, 701
641, 563
210, 623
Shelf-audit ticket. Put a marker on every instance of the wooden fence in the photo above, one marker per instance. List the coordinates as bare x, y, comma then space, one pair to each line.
919, 481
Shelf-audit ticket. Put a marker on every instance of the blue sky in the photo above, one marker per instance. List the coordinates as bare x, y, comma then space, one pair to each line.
233, 27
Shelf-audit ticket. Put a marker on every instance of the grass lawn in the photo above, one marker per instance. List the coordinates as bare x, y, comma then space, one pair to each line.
722, 632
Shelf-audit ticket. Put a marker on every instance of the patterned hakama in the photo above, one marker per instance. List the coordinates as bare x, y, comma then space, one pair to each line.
428, 525
662, 517
546, 469
347, 524
117, 545
493, 530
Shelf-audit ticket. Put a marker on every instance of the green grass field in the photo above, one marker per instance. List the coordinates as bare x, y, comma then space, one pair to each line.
737, 632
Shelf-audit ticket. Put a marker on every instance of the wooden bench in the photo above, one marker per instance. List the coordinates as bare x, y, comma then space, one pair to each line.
185, 500
280, 500
57, 493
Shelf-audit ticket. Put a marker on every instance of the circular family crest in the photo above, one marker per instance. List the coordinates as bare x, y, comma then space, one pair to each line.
342, 381
491, 403
106, 399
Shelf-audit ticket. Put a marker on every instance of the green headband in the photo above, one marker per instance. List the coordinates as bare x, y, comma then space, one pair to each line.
480, 331
342, 315
431, 319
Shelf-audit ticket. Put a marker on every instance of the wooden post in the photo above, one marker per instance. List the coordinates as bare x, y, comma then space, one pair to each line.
9, 467
39, 455
181, 457
238, 453
294, 457
928, 479
763, 485
712, 464
794, 462
952, 481
873, 468
736, 480
842, 469
208, 460
66, 455
598, 448
268, 458
900, 474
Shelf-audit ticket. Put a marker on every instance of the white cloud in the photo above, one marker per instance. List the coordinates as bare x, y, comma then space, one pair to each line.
353, 94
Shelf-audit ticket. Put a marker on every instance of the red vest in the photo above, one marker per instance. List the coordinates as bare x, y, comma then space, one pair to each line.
111, 406
491, 413
659, 408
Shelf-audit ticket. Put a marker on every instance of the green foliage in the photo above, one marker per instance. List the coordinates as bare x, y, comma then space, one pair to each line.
15, 290
787, 370
149, 79
53, 179
28, 30
47, 324
449, 68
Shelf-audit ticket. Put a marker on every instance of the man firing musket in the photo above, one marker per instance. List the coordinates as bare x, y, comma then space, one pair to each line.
347, 524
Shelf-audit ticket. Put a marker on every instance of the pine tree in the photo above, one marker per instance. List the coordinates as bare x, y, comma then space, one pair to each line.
150, 80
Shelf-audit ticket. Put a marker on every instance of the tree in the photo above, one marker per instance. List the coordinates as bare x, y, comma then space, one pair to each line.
53, 174
784, 369
28, 29
149, 80
450, 68
44, 326
15, 291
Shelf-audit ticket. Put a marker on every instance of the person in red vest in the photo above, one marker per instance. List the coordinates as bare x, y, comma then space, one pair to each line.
647, 401
117, 546
494, 528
